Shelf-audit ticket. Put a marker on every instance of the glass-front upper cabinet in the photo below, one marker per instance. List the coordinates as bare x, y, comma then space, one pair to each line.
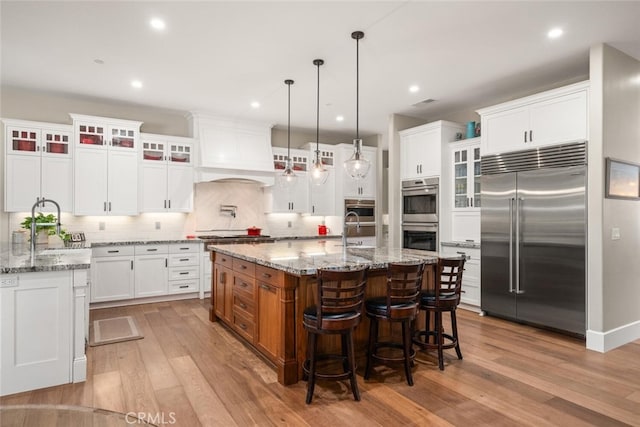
37, 140
466, 174
99, 132
168, 150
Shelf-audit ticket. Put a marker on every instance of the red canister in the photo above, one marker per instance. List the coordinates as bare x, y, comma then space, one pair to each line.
322, 230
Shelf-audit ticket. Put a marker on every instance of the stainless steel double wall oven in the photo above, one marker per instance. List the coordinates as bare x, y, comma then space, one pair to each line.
420, 214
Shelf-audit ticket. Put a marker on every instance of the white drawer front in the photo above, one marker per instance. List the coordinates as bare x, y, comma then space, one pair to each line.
178, 260
183, 273
105, 251
179, 248
179, 287
151, 249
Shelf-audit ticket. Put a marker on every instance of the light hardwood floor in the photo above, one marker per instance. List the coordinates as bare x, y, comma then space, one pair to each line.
199, 374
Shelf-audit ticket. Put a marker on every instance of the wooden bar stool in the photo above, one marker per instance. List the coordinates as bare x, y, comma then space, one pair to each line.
444, 298
399, 305
338, 310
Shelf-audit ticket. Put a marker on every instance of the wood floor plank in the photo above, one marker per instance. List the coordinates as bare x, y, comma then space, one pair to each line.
137, 390
174, 404
107, 392
208, 406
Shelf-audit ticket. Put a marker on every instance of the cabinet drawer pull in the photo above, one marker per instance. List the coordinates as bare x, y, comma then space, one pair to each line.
182, 273
267, 275
183, 286
268, 288
242, 305
113, 252
182, 249
244, 267
244, 284
152, 250
184, 259
243, 326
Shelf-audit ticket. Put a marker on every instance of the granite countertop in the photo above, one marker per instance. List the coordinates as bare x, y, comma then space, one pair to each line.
465, 244
304, 257
151, 241
17, 259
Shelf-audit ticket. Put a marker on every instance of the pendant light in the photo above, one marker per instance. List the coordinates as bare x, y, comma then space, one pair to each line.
287, 178
357, 166
319, 172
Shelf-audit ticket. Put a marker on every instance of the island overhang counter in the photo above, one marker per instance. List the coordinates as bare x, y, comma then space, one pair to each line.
261, 290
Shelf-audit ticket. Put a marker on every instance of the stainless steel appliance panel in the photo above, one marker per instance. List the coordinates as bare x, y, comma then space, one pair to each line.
497, 236
420, 200
365, 209
551, 211
422, 236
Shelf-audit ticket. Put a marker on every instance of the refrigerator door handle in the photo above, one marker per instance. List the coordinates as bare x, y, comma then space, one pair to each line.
511, 202
519, 202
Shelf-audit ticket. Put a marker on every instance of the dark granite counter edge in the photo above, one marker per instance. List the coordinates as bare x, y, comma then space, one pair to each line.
143, 242
39, 268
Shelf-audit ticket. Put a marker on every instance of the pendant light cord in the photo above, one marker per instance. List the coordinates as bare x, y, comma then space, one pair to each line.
357, 88
318, 110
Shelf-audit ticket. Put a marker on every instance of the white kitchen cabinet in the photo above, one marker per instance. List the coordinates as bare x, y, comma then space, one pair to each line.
37, 330
350, 188
465, 168
295, 197
112, 273
470, 276
38, 164
151, 270
421, 148
322, 198
166, 174
106, 166
551, 117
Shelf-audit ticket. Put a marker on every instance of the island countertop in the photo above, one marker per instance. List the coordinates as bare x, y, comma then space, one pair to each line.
303, 258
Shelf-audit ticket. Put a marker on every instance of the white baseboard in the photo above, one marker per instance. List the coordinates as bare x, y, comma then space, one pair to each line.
605, 341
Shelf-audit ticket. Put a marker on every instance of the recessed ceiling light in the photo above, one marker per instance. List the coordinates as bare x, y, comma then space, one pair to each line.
255, 104
339, 118
136, 84
414, 89
555, 33
157, 24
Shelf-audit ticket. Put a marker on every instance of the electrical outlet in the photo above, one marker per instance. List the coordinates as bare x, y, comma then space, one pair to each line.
101, 226
615, 233
157, 225
9, 282
289, 224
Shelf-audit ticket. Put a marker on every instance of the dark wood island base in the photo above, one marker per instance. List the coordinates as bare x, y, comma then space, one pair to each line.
264, 306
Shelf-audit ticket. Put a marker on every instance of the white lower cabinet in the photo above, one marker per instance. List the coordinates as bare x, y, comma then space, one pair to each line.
471, 274
151, 270
42, 330
112, 274
142, 271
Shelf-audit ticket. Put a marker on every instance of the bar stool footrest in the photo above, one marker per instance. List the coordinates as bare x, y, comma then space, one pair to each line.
326, 375
388, 344
425, 344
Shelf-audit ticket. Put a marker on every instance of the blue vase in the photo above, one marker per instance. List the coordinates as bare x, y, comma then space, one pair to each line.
471, 129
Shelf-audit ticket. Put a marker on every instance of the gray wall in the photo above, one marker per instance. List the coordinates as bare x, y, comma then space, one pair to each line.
614, 290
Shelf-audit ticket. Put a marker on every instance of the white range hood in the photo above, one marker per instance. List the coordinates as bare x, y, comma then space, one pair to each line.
232, 150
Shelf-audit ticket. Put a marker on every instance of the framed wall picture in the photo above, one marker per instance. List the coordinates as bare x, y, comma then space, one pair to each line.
622, 180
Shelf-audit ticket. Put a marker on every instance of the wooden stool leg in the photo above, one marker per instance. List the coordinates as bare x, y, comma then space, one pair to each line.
440, 339
373, 337
345, 355
352, 363
454, 328
312, 341
406, 341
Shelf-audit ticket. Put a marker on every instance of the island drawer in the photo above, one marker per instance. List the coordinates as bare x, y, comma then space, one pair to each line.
223, 259
244, 267
270, 275
244, 284
244, 326
244, 304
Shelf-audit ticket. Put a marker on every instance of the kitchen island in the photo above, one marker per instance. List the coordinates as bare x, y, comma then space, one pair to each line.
260, 291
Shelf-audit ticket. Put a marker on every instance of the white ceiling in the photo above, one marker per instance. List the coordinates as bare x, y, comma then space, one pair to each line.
220, 56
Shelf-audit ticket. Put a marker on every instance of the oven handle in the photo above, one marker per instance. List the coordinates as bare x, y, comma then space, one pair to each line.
420, 227
420, 191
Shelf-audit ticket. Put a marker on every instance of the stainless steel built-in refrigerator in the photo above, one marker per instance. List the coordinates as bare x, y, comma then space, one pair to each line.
533, 235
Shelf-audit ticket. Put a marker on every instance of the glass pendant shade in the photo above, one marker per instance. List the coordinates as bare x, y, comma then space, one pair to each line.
287, 178
357, 166
319, 172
